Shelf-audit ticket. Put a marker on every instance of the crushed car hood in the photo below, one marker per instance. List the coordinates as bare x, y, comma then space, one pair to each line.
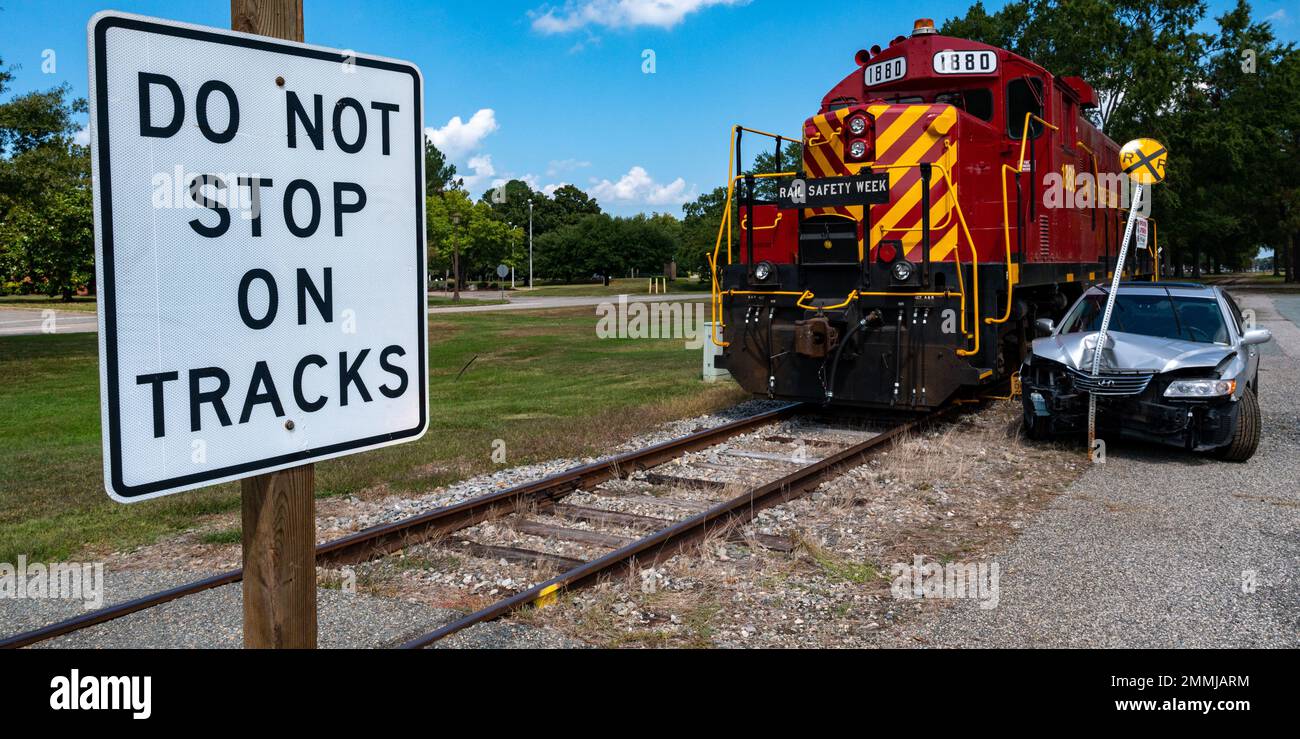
1125, 351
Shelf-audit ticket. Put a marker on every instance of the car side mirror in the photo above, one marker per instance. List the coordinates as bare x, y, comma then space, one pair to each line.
1256, 336
1045, 325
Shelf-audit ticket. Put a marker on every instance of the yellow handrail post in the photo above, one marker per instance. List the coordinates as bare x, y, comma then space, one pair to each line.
1012, 279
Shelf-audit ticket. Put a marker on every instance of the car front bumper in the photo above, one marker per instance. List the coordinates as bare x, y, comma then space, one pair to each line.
1198, 425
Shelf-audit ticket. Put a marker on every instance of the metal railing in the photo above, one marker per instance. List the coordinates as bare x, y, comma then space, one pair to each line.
724, 228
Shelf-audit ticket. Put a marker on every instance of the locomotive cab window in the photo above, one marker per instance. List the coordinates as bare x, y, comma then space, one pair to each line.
978, 102
1024, 95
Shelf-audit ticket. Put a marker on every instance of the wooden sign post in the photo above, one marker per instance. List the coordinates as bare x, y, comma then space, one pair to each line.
279, 508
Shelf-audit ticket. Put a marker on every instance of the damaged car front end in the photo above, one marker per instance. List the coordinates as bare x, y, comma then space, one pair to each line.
1178, 368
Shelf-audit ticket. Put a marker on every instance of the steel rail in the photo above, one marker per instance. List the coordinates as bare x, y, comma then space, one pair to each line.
668, 540
388, 537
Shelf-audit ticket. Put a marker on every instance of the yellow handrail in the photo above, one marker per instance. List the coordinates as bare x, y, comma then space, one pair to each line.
716, 303
744, 221
808, 295
1013, 275
975, 272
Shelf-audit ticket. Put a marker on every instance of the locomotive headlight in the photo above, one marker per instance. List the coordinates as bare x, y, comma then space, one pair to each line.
857, 125
763, 271
858, 149
902, 271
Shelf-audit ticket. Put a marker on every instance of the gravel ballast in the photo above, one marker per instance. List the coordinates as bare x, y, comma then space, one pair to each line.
1157, 547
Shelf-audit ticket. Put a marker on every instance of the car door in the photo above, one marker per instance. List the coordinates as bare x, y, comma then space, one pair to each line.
1252, 352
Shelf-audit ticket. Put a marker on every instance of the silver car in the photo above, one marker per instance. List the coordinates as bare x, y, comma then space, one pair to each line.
1180, 367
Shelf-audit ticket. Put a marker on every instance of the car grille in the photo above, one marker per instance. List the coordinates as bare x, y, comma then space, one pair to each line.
1110, 383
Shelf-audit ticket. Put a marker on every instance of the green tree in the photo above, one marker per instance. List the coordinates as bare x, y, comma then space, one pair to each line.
46, 210
701, 224
439, 173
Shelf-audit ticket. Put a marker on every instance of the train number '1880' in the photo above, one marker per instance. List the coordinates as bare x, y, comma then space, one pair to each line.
965, 62
888, 70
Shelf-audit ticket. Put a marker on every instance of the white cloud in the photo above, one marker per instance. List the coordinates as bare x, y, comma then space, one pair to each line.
557, 166
576, 14
82, 137
637, 186
1279, 17
460, 137
483, 169
549, 190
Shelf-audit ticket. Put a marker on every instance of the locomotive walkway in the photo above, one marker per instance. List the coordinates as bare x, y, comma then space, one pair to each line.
1158, 548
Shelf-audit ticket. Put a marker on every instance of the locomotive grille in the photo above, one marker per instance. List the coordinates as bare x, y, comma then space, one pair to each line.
1044, 237
1110, 384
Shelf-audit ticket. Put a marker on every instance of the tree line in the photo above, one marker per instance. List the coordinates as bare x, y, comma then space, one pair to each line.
1225, 102
573, 238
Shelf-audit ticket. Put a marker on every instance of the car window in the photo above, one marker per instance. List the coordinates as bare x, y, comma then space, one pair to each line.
1165, 316
1237, 318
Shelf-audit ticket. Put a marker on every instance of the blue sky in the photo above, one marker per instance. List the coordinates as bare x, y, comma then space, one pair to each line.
555, 93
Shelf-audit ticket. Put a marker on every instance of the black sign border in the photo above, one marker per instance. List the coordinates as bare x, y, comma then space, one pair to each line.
107, 294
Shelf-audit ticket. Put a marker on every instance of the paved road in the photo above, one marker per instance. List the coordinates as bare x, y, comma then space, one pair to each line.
1153, 548
524, 302
21, 321
26, 321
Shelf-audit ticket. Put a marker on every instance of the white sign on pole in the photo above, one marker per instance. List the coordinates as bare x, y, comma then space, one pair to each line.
259, 242
1141, 230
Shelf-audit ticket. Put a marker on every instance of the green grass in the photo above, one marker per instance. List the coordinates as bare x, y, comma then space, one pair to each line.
621, 286
543, 383
224, 536
40, 302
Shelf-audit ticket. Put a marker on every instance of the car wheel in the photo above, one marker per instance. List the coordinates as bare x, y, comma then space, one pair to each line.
1035, 425
1245, 437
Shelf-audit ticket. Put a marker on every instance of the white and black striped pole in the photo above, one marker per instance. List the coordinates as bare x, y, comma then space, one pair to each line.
1143, 160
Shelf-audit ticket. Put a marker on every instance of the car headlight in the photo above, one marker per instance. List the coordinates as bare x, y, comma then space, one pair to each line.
858, 149
763, 271
857, 125
902, 271
1200, 388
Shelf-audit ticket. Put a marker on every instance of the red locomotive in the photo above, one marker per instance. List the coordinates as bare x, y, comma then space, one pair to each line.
921, 236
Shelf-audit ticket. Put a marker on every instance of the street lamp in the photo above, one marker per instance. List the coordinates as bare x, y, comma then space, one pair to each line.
530, 243
511, 226
455, 258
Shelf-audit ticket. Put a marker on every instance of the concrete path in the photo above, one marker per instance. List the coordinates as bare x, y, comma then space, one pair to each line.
525, 302
28, 321
1158, 547
25, 321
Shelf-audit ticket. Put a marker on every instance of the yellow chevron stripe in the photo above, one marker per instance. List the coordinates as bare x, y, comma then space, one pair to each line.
897, 210
939, 251
823, 160
901, 124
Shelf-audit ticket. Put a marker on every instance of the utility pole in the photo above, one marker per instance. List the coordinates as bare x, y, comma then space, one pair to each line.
455, 258
530, 243
278, 508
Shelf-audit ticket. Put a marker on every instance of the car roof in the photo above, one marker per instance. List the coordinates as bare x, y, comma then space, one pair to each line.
1176, 289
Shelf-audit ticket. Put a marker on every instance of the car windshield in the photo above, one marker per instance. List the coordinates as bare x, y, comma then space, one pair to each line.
1166, 316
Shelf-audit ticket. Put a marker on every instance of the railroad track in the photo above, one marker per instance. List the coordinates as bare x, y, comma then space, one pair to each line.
595, 536
607, 527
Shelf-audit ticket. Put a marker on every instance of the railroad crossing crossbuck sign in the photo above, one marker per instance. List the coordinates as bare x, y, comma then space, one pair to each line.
1143, 160
260, 253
